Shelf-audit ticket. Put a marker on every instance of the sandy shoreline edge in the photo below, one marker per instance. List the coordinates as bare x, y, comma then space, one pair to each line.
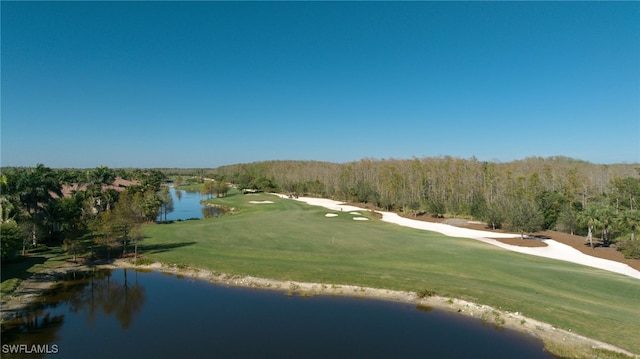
552, 337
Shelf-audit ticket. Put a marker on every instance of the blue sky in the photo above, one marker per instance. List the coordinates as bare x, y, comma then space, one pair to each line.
204, 84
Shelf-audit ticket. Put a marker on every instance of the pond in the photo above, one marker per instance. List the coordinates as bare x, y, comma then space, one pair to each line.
130, 314
186, 205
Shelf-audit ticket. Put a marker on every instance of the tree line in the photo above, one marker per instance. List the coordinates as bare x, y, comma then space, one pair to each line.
92, 213
558, 193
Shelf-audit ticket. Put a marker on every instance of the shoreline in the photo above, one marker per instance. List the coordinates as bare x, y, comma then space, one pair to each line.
555, 340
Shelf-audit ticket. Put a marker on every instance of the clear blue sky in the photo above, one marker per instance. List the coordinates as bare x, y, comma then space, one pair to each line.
203, 84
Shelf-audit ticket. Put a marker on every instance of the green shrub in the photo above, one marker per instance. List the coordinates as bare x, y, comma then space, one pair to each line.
630, 249
143, 261
426, 293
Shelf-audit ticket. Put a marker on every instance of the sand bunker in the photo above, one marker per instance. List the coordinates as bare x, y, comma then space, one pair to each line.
360, 218
355, 213
260, 202
331, 215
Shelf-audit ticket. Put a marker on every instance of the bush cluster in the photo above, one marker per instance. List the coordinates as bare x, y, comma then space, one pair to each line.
630, 249
426, 293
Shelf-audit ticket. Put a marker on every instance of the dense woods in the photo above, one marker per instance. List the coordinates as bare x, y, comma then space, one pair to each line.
527, 195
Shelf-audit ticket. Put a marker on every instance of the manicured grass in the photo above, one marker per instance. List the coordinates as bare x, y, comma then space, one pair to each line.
289, 240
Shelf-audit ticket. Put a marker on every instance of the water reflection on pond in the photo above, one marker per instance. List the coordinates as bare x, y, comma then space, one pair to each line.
187, 205
91, 296
129, 314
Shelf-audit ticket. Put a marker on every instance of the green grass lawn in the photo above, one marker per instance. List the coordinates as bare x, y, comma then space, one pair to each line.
290, 240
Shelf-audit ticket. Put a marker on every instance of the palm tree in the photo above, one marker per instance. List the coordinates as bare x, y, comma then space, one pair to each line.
96, 179
100, 176
632, 218
607, 219
8, 201
589, 217
36, 188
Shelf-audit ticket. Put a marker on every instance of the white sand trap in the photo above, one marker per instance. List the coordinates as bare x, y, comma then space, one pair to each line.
355, 213
260, 202
360, 218
331, 215
554, 249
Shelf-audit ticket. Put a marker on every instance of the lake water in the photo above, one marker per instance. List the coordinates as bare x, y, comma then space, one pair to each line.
187, 206
130, 314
